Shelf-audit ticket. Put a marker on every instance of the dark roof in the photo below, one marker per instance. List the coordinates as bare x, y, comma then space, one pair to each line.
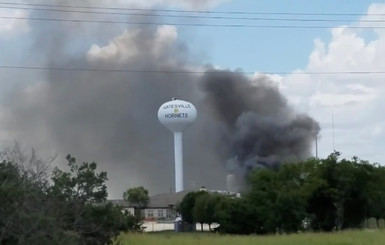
164, 200
120, 202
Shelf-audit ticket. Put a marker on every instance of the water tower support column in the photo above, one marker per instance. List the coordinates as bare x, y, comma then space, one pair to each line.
178, 152
177, 115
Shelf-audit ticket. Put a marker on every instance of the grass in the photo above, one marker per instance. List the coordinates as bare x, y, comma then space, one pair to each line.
363, 237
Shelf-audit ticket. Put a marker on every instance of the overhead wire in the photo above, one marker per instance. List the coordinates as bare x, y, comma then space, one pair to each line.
46, 6
156, 13
188, 71
188, 11
188, 24
189, 16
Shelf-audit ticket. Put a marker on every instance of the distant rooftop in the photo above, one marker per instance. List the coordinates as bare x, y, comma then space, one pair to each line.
170, 199
157, 201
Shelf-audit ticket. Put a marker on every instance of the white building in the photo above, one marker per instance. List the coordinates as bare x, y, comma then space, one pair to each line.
162, 207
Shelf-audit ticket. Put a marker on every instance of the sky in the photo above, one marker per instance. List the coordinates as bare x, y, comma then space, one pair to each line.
318, 70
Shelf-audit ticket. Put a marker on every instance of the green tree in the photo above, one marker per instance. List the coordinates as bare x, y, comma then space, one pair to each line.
199, 209
281, 196
24, 210
82, 183
375, 192
186, 207
81, 195
137, 196
321, 194
237, 216
343, 194
263, 195
72, 209
210, 207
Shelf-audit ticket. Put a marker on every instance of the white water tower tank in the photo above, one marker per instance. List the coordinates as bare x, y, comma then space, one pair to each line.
177, 115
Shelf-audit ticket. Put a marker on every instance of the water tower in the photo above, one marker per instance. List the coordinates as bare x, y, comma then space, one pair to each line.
177, 115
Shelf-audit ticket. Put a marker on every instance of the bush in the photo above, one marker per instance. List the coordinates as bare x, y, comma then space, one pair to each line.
70, 210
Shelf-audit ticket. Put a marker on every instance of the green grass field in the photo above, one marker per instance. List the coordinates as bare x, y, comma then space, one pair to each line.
363, 237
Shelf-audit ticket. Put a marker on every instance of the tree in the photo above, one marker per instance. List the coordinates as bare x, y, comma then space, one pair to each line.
82, 183
375, 193
296, 183
342, 200
186, 207
137, 196
81, 195
237, 216
23, 211
319, 194
263, 196
199, 209
71, 209
281, 196
210, 206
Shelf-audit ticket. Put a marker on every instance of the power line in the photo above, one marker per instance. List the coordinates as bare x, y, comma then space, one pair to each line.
189, 11
186, 24
187, 72
191, 16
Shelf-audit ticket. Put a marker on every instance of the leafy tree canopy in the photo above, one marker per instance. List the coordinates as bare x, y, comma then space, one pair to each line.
69, 209
137, 196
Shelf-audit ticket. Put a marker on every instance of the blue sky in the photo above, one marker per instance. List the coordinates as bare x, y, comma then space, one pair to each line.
355, 101
286, 50
251, 49
266, 49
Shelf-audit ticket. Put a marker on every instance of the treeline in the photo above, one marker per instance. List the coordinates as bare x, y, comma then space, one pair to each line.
59, 208
317, 194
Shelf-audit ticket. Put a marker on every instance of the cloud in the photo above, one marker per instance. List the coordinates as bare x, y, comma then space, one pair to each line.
115, 113
124, 49
111, 117
185, 4
195, 4
12, 27
354, 101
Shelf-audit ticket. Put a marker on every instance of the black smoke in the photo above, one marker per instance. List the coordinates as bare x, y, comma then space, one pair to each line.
111, 117
259, 127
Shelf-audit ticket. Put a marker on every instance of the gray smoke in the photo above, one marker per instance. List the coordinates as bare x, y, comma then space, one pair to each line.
260, 129
111, 117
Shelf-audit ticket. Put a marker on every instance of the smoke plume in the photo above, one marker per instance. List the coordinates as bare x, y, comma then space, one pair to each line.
111, 117
257, 118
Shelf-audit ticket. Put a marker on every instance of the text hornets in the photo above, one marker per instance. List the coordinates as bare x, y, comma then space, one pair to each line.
176, 108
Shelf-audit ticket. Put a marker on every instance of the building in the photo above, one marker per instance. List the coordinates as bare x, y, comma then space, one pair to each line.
162, 207
126, 206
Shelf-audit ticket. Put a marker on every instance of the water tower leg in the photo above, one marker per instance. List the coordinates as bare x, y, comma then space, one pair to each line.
178, 151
